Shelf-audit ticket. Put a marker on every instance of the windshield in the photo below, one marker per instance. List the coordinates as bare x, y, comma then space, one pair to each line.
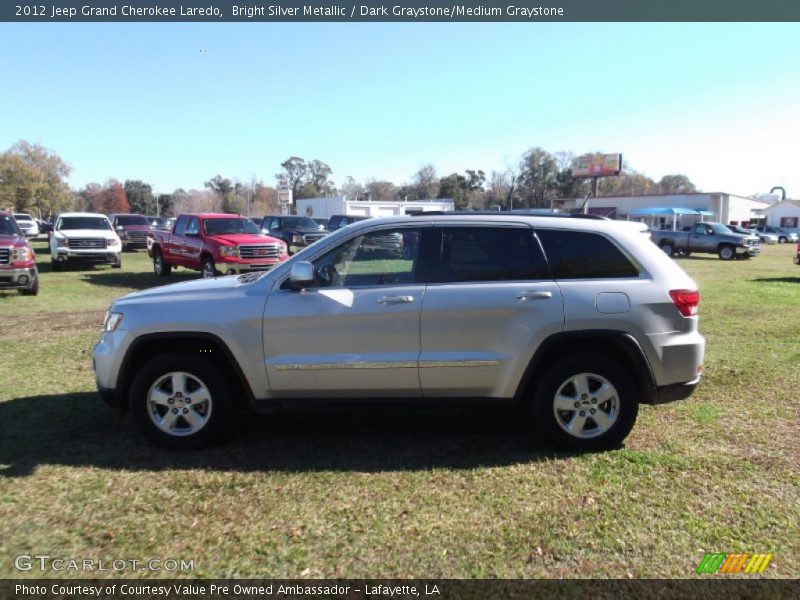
8, 226
22, 217
131, 220
100, 223
226, 226
299, 222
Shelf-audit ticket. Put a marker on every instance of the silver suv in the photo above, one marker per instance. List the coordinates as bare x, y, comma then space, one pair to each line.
577, 319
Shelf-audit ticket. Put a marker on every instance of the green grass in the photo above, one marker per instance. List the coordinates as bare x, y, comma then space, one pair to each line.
387, 493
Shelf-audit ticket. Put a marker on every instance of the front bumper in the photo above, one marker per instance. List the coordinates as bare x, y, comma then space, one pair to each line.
748, 250
93, 255
18, 278
235, 268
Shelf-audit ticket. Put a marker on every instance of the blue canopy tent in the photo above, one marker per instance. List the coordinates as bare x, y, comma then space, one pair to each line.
674, 211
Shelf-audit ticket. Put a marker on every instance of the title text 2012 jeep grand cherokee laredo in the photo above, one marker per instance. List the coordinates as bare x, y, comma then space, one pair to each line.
579, 319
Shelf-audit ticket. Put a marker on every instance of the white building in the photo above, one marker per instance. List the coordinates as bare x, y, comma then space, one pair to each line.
784, 214
726, 208
324, 208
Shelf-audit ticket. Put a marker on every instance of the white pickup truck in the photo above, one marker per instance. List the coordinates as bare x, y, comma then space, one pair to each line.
84, 237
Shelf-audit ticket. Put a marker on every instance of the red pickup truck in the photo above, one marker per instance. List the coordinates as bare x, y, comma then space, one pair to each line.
214, 244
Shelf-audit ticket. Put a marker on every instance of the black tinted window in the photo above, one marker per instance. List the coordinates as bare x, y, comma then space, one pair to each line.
488, 254
582, 255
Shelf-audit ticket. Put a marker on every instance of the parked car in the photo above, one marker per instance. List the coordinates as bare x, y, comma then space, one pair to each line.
296, 232
160, 223
132, 230
576, 319
84, 238
709, 238
766, 238
742, 231
783, 236
213, 244
17, 260
27, 224
339, 221
321, 223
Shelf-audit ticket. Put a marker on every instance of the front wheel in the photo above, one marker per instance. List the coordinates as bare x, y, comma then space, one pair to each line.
180, 401
207, 268
727, 252
117, 264
33, 290
586, 402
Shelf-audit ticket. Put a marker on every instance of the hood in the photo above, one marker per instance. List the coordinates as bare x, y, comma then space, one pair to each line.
185, 290
136, 227
236, 239
85, 233
11, 240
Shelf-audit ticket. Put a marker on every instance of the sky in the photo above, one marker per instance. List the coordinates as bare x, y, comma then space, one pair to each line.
174, 104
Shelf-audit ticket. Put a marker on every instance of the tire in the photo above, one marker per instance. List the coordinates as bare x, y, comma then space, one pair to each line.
783, 240
726, 252
207, 268
668, 249
161, 268
686, 253
163, 414
32, 291
55, 265
619, 404
117, 264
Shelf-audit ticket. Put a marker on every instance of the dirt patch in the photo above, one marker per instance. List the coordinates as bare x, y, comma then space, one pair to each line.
45, 325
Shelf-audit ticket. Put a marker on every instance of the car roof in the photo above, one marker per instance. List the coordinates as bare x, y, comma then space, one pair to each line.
82, 214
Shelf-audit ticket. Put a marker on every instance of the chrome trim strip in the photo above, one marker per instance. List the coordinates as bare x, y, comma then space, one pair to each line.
349, 365
427, 364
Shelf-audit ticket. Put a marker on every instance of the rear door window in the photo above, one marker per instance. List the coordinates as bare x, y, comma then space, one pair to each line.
472, 254
584, 255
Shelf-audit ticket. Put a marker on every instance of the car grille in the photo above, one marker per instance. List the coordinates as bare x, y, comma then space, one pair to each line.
86, 243
138, 237
5, 254
753, 242
257, 252
310, 238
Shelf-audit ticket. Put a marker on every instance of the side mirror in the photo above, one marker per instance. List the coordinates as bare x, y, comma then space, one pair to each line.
120, 228
302, 275
265, 231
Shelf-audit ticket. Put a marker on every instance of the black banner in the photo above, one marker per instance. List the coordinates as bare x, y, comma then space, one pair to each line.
429, 589
551, 11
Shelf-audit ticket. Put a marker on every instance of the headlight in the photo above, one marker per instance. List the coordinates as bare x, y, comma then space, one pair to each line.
229, 251
62, 242
283, 249
21, 253
297, 239
112, 321
114, 242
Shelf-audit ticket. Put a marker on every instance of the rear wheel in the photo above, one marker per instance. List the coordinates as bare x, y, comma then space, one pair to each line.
668, 249
726, 252
586, 402
160, 268
783, 240
180, 401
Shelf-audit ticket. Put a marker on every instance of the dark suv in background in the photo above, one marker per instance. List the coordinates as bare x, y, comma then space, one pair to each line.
298, 232
339, 221
132, 230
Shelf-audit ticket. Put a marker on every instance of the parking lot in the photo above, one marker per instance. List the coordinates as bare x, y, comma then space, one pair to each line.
433, 492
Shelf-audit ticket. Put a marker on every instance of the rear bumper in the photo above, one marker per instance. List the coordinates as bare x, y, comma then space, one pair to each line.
673, 392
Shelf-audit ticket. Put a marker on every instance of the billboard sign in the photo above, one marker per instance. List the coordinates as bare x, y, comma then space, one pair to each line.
597, 165
284, 190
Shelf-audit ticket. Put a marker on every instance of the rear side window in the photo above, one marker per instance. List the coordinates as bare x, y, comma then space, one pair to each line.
488, 254
584, 255
180, 226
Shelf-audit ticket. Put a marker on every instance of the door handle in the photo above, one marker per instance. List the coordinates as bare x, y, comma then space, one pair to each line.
534, 295
395, 299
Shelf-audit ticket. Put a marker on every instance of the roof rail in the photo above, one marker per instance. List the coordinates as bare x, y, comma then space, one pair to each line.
496, 213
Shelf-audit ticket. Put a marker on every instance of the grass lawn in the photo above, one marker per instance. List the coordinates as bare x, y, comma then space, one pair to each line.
431, 493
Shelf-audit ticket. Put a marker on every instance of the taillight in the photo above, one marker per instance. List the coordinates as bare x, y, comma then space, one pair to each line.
686, 301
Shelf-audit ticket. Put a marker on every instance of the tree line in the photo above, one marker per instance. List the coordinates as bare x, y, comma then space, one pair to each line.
34, 179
